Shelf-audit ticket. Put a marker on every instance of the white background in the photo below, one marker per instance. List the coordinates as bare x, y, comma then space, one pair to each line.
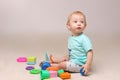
40, 17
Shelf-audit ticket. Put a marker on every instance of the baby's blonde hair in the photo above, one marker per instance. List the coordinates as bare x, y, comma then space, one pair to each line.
75, 12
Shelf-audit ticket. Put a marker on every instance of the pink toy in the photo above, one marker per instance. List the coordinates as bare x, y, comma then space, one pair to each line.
22, 59
53, 74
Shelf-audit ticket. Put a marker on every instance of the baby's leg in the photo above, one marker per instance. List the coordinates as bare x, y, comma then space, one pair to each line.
61, 65
57, 59
53, 59
72, 67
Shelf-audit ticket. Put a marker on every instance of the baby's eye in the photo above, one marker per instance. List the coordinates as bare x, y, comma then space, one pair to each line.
82, 21
75, 21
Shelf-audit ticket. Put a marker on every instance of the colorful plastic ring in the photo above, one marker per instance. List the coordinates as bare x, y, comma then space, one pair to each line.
35, 71
29, 67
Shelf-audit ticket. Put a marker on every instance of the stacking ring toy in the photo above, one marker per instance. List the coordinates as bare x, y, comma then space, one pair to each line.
29, 67
52, 69
35, 71
45, 74
53, 74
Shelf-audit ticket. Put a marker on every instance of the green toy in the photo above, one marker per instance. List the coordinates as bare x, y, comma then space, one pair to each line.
35, 71
60, 72
45, 74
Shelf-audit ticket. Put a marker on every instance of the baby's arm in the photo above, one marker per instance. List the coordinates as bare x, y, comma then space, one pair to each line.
89, 62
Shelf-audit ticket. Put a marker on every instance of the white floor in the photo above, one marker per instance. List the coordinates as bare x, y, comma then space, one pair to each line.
106, 65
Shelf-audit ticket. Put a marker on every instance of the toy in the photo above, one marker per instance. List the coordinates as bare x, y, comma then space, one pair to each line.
52, 69
65, 75
29, 67
31, 60
60, 72
45, 65
82, 72
31, 63
22, 59
45, 74
53, 74
35, 71
47, 57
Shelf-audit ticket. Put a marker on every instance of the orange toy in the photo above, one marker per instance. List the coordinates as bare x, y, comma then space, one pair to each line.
52, 69
65, 75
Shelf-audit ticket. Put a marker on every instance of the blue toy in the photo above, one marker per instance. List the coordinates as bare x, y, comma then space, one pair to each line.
82, 72
45, 65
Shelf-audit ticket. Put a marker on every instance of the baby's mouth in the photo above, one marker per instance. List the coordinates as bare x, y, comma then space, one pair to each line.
78, 27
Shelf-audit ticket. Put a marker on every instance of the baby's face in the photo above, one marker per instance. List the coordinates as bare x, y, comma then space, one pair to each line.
77, 24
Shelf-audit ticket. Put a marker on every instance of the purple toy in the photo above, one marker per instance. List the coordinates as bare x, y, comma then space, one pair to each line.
29, 67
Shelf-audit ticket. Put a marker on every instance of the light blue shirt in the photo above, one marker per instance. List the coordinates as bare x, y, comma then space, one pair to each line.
78, 47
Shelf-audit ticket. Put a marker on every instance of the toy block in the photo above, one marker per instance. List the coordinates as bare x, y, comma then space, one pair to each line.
52, 69
53, 74
22, 59
31, 63
65, 75
31, 59
44, 74
60, 72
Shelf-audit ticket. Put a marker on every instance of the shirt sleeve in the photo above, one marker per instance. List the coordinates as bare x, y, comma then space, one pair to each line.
87, 44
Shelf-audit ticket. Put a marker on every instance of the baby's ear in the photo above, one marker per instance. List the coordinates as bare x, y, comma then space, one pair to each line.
68, 27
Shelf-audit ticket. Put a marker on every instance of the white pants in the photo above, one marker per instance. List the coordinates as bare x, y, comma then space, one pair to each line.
72, 67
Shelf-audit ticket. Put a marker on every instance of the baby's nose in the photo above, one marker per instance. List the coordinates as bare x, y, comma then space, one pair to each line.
79, 24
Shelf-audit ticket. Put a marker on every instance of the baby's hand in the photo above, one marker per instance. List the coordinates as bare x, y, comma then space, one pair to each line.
86, 69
